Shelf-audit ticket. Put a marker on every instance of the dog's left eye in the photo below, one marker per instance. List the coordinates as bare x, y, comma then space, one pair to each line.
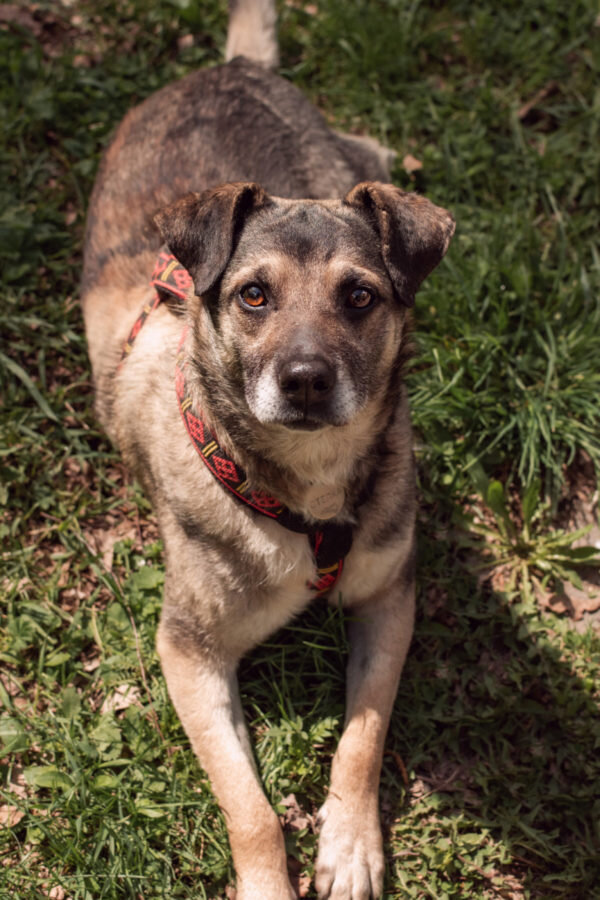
252, 296
360, 298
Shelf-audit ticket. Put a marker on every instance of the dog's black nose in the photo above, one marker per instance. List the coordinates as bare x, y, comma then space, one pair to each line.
306, 382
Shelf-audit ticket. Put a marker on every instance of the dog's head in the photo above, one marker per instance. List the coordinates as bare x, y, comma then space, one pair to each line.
308, 298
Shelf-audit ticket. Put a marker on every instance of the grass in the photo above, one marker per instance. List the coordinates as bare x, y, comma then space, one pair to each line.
491, 782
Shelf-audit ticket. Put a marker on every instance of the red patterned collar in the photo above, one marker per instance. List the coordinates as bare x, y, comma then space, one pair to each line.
330, 542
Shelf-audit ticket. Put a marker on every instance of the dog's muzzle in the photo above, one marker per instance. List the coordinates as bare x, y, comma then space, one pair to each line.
303, 387
306, 380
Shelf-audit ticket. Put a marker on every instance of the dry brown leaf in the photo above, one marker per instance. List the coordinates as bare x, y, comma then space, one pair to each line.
90, 664
577, 602
571, 600
411, 164
295, 818
57, 893
103, 540
10, 685
10, 815
123, 697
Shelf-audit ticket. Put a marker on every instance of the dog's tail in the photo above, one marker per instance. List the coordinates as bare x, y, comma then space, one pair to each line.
252, 32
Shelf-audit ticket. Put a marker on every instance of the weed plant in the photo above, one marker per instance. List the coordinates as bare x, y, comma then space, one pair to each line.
491, 781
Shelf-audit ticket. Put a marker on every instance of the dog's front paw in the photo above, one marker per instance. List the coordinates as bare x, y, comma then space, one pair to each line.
350, 862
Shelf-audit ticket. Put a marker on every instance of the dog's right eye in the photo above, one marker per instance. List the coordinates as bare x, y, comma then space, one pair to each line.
253, 297
360, 299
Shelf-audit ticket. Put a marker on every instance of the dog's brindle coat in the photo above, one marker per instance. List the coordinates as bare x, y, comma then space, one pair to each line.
303, 389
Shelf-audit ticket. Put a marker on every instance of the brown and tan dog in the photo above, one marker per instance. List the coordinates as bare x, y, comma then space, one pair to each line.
286, 383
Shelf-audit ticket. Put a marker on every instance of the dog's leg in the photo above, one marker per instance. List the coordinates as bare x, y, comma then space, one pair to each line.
350, 862
204, 691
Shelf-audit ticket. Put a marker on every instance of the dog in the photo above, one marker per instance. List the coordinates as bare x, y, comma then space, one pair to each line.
247, 284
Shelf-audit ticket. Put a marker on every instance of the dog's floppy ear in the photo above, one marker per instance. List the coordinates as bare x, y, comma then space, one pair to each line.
201, 229
414, 232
